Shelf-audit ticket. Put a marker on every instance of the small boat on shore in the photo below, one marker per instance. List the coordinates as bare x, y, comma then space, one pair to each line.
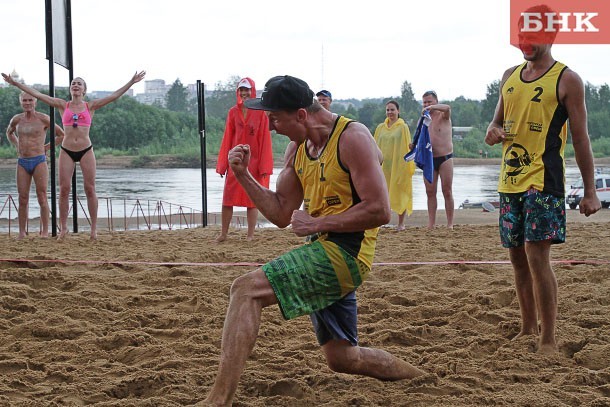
485, 205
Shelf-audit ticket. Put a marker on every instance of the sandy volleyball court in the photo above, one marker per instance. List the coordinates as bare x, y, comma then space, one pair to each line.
135, 319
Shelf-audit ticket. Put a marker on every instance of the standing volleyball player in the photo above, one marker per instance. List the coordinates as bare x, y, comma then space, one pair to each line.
536, 99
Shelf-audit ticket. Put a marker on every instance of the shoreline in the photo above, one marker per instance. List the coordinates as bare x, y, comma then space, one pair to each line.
171, 161
417, 220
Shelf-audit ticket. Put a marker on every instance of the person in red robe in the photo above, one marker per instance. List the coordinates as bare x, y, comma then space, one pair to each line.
249, 127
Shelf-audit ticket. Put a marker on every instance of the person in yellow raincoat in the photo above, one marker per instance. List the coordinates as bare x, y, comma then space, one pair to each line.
393, 138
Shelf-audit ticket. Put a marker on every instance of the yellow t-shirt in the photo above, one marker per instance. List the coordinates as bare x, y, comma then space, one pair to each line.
328, 190
535, 126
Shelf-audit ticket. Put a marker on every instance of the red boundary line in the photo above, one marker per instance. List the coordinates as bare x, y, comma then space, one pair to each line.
247, 264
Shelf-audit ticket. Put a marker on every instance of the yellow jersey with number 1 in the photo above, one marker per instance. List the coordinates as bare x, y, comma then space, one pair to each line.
328, 189
535, 126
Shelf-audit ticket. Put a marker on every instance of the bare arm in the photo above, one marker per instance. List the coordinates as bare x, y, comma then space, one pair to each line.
55, 102
96, 104
276, 206
495, 131
59, 135
361, 156
59, 132
445, 109
572, 96
11, 133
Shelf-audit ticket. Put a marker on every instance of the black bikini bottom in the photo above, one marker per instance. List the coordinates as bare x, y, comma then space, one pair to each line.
76, 155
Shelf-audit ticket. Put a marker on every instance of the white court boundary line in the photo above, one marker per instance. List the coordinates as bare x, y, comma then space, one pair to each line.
249, 264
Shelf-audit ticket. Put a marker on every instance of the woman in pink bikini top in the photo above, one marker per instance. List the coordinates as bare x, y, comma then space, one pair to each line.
76, 117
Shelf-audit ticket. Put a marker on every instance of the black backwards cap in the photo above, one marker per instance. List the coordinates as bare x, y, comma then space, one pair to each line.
283, 93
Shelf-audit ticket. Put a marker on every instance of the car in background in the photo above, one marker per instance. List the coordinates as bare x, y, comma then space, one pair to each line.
602, 187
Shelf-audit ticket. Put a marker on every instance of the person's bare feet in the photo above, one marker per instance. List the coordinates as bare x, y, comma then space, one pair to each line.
221, 238
523, 334
400, 227
62, 234
21, 237
547, 349
206, 403
250, 238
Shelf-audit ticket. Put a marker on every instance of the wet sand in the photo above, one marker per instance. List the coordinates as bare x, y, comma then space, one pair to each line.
135, 318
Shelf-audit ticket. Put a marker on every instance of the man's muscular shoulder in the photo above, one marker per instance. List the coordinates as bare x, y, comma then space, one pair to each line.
17, 118
570, 84
42, 117
355, 130
290, 153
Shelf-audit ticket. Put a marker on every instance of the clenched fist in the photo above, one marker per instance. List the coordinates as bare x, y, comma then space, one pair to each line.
239, 158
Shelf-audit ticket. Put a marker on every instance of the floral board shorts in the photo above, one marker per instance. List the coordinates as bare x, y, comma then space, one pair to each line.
531, 216
313, 276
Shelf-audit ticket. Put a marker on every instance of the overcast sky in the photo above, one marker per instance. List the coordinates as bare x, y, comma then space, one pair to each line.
355, 51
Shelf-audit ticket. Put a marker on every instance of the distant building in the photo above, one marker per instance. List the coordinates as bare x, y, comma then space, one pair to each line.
192, 90
460, 132
98, 94
154, 92
15, 76
344, 104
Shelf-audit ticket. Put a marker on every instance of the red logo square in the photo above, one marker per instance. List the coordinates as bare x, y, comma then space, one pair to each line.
559, 21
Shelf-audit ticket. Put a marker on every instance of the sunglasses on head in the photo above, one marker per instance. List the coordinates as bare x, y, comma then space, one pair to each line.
75, 118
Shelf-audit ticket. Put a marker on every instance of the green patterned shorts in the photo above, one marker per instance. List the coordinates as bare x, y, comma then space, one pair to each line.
313, 276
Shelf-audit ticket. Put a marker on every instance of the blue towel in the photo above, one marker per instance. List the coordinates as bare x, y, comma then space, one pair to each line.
422, 152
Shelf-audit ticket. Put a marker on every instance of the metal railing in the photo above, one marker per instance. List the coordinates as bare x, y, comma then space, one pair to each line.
115, 214
138, 214
7, 206
120, 214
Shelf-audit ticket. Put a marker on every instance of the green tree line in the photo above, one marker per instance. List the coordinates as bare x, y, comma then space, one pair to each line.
128, 127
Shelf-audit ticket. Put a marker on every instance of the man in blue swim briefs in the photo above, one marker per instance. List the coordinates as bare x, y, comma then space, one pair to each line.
332, 165
27, 132
441, 139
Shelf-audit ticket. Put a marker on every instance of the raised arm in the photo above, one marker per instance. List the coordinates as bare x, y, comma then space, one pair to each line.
572, 95
444, 109
55, 102
98, 103
361, 156
276, 206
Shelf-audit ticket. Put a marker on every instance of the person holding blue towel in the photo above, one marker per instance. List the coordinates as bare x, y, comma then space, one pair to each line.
440, 132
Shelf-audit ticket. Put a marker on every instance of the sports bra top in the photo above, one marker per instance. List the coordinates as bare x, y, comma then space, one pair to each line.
81, 119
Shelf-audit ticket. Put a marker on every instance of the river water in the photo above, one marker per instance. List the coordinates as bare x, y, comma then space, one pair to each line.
184, 186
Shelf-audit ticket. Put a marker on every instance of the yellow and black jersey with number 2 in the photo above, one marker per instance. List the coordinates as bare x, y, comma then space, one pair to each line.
535, 126
328, 190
